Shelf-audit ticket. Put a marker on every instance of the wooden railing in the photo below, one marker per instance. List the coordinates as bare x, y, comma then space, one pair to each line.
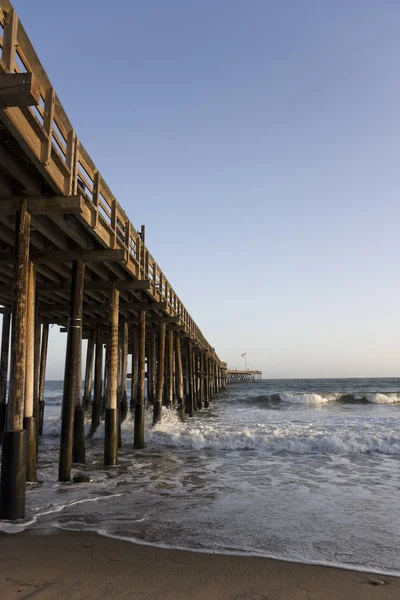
51, 141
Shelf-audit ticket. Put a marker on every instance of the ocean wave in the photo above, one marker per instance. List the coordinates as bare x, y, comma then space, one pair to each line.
282, 441
322, 398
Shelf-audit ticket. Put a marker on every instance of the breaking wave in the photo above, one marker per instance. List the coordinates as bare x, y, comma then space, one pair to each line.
324, 398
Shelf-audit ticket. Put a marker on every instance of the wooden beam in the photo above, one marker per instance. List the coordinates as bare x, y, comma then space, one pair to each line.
18, 90
49, 256
41, 206
104, 306
90, 286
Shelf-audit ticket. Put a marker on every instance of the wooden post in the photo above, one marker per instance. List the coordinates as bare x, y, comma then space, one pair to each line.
138, 439
98, 381
194, 378
179, 376
36, 377
124, 370
5, 347
210, 373
190, 376
153, 369
13, 465
160, 374
43, 360
170, 367
29, 418
135, 367
206, 383
87, 390
185, 365
106, 378
166, 371
78, 447
111, 415
201, 379
71, 372
198, 380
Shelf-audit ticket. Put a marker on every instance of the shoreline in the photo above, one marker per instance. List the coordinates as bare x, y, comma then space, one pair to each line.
238, 553
78, 565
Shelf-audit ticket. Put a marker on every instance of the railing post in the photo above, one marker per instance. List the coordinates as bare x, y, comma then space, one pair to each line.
49, 103
10, 40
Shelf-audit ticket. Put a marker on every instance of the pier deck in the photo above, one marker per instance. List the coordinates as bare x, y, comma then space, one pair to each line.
245, 376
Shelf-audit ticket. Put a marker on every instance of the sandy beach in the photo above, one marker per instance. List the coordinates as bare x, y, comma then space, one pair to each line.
78, 566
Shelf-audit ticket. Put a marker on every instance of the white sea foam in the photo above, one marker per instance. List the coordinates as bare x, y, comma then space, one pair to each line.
308, 398
378, 398
272, 438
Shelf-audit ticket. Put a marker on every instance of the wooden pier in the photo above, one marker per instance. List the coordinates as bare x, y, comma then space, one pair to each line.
69, 255
246, 376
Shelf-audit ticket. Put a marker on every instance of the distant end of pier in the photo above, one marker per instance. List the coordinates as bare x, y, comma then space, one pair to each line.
246, 376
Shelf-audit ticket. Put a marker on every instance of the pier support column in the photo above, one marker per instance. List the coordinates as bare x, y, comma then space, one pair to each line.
190, 377
5, 347
105, 384
138, 439
78, 447
201, 383
194, 378
206, 386
135, 367
71, 372
98, 382
211, 377
87, 391
179, 377
36, 374
160, 373
153, 367
29, 418
111, 414
42, 375
170, 367
198, 380
13, 465
124, 370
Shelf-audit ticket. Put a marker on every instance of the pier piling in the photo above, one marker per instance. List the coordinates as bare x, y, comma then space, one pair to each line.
98, 382
157, 408
4, 353
29, 418
87, 390
42, 375
14, 450
71, 371
138, 435
111, 413
179, 376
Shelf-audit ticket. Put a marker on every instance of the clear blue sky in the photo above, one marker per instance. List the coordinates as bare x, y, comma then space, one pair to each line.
259, 142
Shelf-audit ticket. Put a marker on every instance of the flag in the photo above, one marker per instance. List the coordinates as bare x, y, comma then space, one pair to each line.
243, 355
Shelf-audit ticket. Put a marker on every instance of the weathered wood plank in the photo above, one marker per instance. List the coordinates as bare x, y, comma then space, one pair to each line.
19, 89
38, 206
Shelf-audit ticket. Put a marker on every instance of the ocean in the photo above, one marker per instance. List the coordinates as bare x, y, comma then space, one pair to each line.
303, 470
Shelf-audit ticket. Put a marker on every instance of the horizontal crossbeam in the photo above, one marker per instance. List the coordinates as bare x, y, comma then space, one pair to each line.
50, 256
90, 286
103, 306
73, 205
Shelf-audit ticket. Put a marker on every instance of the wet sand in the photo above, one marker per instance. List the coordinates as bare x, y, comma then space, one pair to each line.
83, 566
